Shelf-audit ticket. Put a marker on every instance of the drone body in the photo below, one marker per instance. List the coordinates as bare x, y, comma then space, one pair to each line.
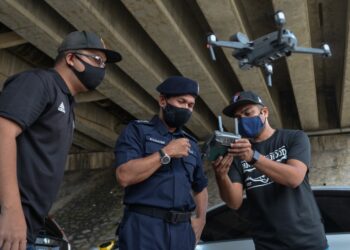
266, 49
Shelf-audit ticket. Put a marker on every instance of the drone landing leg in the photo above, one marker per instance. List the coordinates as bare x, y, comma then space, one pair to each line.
268, 70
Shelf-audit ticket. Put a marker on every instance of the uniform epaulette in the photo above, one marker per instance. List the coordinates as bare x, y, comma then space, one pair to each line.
189, 136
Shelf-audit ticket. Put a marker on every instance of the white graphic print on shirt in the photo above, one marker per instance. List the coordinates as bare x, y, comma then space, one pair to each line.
254, 178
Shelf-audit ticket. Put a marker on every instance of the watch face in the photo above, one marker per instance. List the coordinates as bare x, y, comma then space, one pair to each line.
165, 159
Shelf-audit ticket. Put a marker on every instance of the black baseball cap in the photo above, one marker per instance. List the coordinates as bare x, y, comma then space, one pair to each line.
178, 85
88, 40
242, 98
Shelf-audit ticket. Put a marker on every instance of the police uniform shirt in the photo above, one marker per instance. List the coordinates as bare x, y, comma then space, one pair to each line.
39, 101
170, 186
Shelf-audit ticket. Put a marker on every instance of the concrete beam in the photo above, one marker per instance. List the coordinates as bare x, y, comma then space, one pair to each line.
87, 143
90, 96
10, 65
125, 92
44, 28
36, 22
344, 99
225, 19
143, 61
97, 123
10, 39
301, 68
2, 81
172, 26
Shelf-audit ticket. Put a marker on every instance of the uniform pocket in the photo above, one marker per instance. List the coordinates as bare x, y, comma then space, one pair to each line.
153, 144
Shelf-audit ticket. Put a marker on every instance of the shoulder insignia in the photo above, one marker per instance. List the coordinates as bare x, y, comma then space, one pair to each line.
143, 122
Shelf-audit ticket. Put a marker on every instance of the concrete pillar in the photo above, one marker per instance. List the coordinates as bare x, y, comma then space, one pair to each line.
330, 160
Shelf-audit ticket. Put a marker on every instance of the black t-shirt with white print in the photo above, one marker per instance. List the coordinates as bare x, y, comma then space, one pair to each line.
282, 217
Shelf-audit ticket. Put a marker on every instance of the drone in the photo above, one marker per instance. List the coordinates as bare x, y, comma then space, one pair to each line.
266, 49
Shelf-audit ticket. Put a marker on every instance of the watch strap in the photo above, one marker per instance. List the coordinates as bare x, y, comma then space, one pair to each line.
161, 152
255, 158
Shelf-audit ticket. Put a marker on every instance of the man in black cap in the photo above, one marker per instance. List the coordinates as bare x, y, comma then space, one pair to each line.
36, 131
159, 165
272, 166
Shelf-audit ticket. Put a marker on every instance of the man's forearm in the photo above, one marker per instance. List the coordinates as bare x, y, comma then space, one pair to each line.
290, 174
230, 193
13, 228
201, 200
9, 191
135, 171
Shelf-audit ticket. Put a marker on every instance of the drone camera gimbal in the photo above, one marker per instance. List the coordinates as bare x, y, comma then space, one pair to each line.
266, 49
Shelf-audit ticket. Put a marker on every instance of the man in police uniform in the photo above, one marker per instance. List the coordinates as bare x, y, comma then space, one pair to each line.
36, 131
159, 164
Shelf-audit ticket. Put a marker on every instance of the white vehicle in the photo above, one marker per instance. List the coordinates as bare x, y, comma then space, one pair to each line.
227, 229
52, 237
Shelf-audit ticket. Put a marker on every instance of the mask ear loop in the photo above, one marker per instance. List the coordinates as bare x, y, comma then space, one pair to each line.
166, 101
261, 113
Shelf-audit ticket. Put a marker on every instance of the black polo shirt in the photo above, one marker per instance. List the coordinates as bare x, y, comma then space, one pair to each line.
40, 102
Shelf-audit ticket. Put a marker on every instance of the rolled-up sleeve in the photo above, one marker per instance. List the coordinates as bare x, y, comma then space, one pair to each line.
235, 173
129, 145
200, 180
23, 99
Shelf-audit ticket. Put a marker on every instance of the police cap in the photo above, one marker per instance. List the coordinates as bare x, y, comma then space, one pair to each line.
178, 85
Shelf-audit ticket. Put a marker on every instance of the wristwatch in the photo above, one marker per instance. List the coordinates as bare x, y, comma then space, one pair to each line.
255, 158
164, 158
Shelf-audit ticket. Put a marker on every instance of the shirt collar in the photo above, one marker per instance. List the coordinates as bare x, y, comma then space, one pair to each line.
160, 125
163, 129
61, 83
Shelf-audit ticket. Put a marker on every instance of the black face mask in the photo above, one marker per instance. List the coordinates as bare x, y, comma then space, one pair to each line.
176, 117
91, 77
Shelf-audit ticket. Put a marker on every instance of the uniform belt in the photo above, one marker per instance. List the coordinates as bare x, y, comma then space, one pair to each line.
169, 216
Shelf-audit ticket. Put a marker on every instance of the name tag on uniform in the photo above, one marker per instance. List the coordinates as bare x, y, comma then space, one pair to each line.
152, 139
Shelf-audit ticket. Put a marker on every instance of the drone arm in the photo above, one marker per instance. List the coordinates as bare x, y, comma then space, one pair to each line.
325, 51
280, 20
232, 45
279, 36
228, 44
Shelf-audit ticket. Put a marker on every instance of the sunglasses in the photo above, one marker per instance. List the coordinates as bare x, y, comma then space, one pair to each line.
98, 60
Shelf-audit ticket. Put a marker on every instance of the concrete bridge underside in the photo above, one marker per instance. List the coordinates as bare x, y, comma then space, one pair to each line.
159, 38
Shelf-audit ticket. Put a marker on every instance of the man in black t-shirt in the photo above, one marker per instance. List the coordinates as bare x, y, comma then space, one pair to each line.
36, 131
272, 166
